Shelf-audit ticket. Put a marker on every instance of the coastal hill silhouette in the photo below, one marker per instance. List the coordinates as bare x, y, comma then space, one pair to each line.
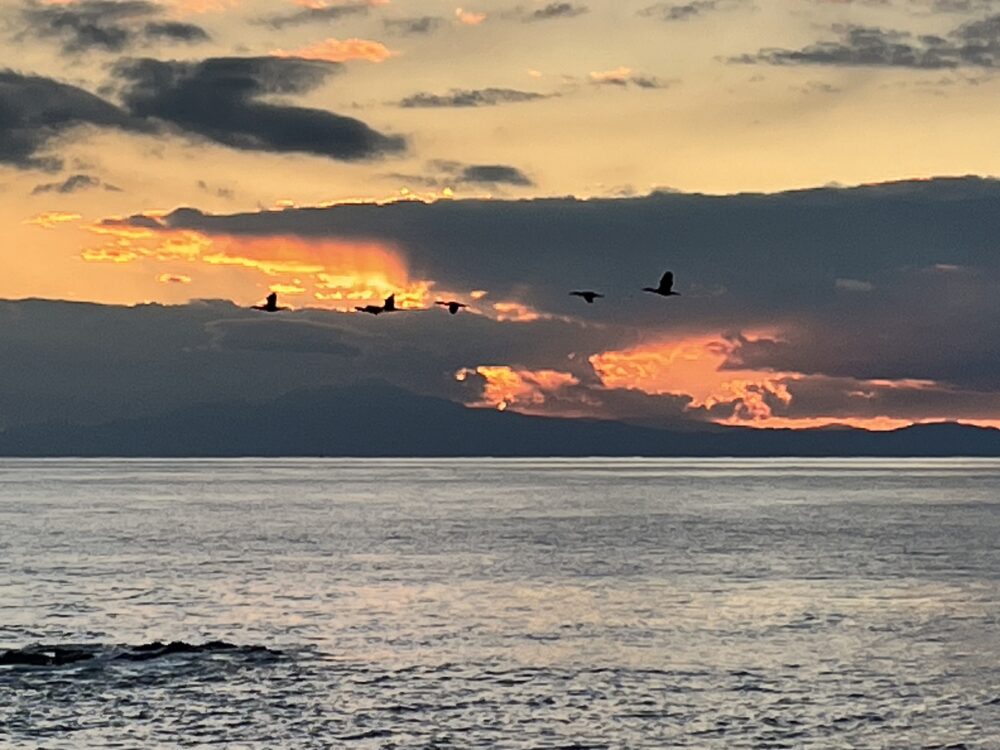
338, 421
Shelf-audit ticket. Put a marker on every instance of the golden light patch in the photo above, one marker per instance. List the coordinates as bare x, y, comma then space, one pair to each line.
51, 219
109, 255
173, 278
291, 289
875, 424
122, 231
267, 266
339, 273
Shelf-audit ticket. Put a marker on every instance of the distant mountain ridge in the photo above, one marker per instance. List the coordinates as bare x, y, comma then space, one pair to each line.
374, 419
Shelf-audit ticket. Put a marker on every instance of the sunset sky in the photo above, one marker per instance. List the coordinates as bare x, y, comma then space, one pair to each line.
778, 156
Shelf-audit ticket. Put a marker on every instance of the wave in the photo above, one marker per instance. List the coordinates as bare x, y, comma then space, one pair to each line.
42, 655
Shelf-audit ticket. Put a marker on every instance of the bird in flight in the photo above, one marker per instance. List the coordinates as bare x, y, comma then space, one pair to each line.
271, 305
388, 306
587, 295
453, 307
666, 287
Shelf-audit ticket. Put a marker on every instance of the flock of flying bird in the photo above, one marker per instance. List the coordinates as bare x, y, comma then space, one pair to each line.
665, 289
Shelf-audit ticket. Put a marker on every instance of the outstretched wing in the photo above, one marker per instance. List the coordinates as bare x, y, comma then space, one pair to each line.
445, 304
667, 282
390, 302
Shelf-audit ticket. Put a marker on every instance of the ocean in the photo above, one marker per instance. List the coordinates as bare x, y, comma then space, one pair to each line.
500, 603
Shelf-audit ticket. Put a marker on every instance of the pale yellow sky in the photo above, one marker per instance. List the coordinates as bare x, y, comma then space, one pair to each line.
707, 124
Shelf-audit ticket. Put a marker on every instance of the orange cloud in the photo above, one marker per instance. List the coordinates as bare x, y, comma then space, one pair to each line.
337, 272
335, 50
469, 18
514, 312
693, 367
173, 278
506, 387
620, 74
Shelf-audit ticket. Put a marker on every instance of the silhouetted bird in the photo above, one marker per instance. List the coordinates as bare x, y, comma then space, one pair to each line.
453, 307
271, 305
388, 306
587, 295
665, 289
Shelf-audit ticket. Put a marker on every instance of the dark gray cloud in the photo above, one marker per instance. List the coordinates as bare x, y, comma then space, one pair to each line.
176, 31
153, 358
972, 44
624, 80
844, 398
650, 82
690, 10
221, 99
954, 6
494, 174
35, 111
895, 282
136, 220
489, 97
554, 11
106, 25
72, 184
443, 173
323, 15
879, 301
89, 24
931, 322
218, 191
418, 26
287, 336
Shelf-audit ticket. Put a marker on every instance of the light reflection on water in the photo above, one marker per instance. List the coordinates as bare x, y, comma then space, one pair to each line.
617, 603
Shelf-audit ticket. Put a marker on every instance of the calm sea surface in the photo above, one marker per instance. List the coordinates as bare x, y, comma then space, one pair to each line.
500, 604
